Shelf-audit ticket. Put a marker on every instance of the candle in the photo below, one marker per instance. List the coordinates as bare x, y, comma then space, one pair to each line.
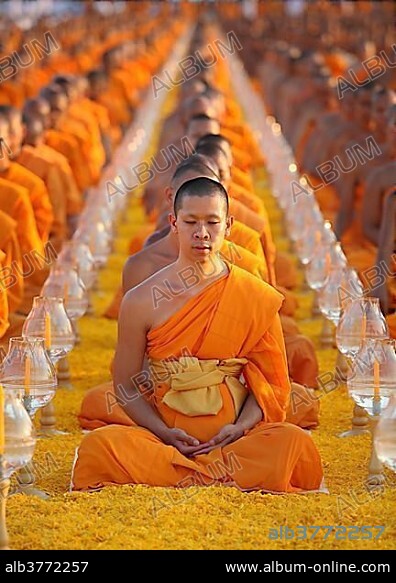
2, 422
28, 366
364, 326
376, 380
47, 331
328, 262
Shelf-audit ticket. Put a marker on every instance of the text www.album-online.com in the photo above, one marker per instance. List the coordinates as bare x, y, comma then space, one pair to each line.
332, 567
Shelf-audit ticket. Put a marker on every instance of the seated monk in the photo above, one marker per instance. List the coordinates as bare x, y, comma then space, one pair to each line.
11, 130
248, 198
379, 180
15, 202
11, 280
4, 323
348, 227
80, 117
62, 140
96, 92
49, 172
35, 140
195, 166
281, 269
386, 257
300, 351
200, 409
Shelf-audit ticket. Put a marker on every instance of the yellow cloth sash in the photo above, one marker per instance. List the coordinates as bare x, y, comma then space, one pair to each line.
195, 384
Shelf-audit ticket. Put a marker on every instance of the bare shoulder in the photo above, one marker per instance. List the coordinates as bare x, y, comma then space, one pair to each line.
155, 280
139, 301
135, 308
137, 268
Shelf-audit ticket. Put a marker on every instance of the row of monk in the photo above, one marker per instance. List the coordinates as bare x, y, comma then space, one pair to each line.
209, 360
339, 116
58, 136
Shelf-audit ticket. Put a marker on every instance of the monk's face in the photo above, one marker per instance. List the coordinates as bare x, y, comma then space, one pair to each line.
17, 133
200, 127
4, 140
58, 107
201, 225
34, 131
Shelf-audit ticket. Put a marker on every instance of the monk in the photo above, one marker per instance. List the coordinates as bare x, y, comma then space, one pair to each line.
96, 92
11, 129
35, 140
281, 269
300, 352
11, 280
352, 183
200, 125
79, 112
196, 112
194, 166
386, 257
199, 411
246, 197
4, 323
62, 140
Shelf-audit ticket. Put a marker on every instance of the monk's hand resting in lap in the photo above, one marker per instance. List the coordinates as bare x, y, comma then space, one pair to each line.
185, 443
249, 416
226, 435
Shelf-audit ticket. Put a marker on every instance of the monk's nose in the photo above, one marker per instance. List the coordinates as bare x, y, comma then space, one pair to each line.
201, 232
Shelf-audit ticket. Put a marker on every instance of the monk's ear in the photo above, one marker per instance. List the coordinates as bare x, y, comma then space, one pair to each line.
229, 223
172, 222
169, 195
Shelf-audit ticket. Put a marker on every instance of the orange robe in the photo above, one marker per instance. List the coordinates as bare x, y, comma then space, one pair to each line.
248, 198
15, 201
241, 178
11, 279
260, 224
230, 252
48, 172
38, 195
273, 455
79, 131
81, 112
74, 199
4, 323
248, 238
69, 146
391, 320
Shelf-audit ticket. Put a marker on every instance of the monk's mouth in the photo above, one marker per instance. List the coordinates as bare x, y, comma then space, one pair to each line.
202, 247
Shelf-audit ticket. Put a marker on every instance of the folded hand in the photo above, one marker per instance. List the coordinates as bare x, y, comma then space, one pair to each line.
226, 435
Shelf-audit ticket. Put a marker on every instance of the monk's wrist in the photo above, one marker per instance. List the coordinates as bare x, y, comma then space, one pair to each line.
164, 433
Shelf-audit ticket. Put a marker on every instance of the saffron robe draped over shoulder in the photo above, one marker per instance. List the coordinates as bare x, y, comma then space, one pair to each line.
225, 320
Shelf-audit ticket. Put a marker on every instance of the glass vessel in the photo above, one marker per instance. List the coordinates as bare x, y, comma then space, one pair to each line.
362, 318
372, 378
385, 435
28, 370
48, 319
64, 282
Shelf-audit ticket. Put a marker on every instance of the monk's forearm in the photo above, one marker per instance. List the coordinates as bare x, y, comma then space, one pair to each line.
140, 411
250, 414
